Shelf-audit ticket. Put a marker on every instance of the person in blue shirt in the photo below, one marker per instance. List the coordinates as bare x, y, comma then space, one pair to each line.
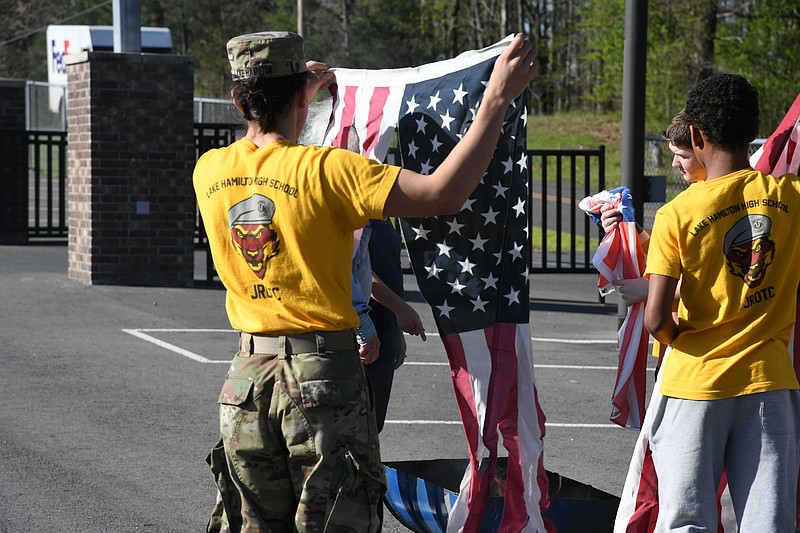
379, 299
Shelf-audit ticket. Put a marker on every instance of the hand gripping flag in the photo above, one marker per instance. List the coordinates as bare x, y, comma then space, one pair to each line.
620, 256
472, 267
638, 508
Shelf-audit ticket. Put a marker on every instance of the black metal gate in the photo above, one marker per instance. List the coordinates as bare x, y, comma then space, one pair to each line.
206, 137
563, 237
47, 152
33, 173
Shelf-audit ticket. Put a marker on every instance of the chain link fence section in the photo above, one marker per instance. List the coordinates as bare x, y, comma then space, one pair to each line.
216, 111
658, 162
46, 108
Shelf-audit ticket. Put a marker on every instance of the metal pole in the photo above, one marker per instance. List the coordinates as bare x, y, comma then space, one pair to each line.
127, 26
633, 108
300, 29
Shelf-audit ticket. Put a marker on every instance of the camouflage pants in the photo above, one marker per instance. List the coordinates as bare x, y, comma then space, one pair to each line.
299, 448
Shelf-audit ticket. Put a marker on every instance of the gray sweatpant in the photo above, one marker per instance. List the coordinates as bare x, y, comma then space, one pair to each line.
755, 437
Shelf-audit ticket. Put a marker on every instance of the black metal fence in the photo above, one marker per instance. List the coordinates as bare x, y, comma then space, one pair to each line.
213, 135
206, 137
48, 193
34, 178
44, 156
563, 238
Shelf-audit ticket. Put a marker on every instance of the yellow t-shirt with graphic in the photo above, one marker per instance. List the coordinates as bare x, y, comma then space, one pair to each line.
734, 243
280, 222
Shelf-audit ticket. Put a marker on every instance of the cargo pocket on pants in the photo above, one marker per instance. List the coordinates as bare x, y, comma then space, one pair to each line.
225, 516
236, 391
355, 497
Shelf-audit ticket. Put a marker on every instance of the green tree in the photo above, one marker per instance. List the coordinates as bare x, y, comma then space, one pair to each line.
200, 28
23, 46
416, 36
759, 40
580, 43
602, 25
670, 67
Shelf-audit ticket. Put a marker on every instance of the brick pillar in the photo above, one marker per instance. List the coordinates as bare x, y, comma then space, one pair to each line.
130, 160
13, 164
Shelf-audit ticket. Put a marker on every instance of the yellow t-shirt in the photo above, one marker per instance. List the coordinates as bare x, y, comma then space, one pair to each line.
280, 222
734, 243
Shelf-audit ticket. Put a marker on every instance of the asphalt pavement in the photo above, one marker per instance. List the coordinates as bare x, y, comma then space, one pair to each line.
109, 396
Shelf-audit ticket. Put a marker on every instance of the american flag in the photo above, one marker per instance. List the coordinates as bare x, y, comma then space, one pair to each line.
620, 256
638, 508
472, 267
779, 154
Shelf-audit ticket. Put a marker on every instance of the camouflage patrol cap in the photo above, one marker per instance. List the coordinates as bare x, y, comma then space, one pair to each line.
267, 53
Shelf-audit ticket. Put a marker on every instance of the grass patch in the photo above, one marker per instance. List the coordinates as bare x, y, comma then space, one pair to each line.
566, 242
570, 131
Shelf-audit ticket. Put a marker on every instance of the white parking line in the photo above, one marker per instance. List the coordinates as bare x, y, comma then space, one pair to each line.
458, 423
553, 340
562, 425
425, 422
184, 330
575, 341
177, 349
142, 333
561, 367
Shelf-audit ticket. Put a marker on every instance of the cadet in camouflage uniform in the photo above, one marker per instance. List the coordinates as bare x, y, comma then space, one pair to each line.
299, 445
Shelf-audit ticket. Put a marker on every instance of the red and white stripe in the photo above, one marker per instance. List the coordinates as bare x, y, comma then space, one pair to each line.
495, 399
369, 109
492, 368
370, 102
779, 154
620, 256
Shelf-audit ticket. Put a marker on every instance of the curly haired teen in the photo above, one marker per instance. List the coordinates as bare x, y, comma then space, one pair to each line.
731, 395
